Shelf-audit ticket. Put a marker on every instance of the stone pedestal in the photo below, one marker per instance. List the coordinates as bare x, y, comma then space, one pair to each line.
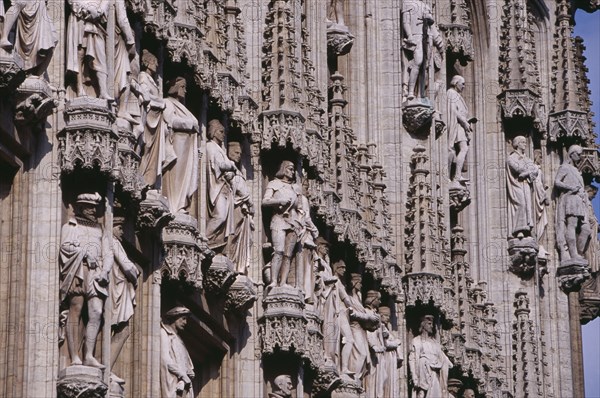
347, 389
184, 250
11, 71
219, 276
327, 379
283, 324
417, 117
241, 294
34, 101
572, 273
89, 139
339, 39
523, 256
154, 212
460, 196
78, 381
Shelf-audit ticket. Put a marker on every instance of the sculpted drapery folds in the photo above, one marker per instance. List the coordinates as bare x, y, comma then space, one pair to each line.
86, 45
459, 128
337, 315
35, 38
593, 252
283, 196
420, 35
220, 171
180, 178
377, 376
392, 358
572, 224
428, 364
239, 243
176, 367
126, 65
85, 262
306, 263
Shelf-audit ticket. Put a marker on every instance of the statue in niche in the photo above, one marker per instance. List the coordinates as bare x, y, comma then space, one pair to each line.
35, 38
593, 250
377, 375
157, 153
454, 386
428, 364
526, 193
85, 263
459, 129
572, 225
126, 63
335, 12
306, 259
176, 367
240, 242
420, 35
282, 387
540, 201
123, 282
180, 178
337, 323
392, 359
283, 196
220, 169
361, 320
86, 45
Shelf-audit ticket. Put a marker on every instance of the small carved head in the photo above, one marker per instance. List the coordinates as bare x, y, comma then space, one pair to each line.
149, 61
519, 143
177, 317
373, 298
385, 313
177, 88
575, 152
287, 171
87, 205
283, 385
469, 393
427, 324
591, 190
339, 268
234, 151
458, 82
215, 131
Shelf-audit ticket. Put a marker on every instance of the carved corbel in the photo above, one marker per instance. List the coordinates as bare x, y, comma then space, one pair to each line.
11, 71
34, 101
219, 276
241, 295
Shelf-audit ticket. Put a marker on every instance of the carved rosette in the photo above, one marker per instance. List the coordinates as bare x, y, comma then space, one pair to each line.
568, 124
314, 338
154, 212
416, 118
572, 273
89, 139
422, 288
283, 324
11, 71
459, 40
35, 101
523, 256
241, 295
78, 381
128, 163
219, 276
184, 250
348, 389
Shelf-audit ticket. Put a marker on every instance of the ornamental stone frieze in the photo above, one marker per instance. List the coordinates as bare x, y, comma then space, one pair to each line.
35, 100
348, 389
184, 250
589, 299
241, 295
89, 139
283, 325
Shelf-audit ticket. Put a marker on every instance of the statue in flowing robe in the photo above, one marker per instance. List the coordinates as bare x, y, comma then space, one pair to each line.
176, 367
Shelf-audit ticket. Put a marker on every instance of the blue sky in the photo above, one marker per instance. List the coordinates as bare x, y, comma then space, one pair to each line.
588, 27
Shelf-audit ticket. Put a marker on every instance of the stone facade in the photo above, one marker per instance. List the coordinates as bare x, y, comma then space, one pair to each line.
295, 198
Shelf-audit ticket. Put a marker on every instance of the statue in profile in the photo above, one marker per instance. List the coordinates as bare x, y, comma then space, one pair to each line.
306, 260
282, 387
283, 196
176, 367
85, 263
428, 364
420, 36
36, 36
180, 178
572, 224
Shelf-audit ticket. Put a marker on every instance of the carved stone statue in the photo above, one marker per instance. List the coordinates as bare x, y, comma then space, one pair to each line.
220, 171
521, 176
335, 12
86, 45
283, 195
282, 387
541, 200
420, 34
180, 179
124, 66
428, 364
337, 323
468, 393
459, 128
593, 252
377, 375
306, 260
35, 38
572, 226
240, 242
85, 264
392, 358
157, 153
176, 367
123, 282
454, 386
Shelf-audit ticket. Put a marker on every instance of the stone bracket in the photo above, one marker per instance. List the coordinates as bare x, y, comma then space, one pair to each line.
35, 101
523, 256
241, 295
417, 117
572, 273
219, 276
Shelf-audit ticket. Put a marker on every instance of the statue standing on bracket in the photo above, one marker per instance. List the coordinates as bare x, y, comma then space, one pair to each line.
459, 129
35, 38
220, 171
306, 260
239, 243
126, 64
572, 226
85, 263
420, 34
123, 282
428, 364
283, 195
176, 367
593, 252
180, 179
86, 44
